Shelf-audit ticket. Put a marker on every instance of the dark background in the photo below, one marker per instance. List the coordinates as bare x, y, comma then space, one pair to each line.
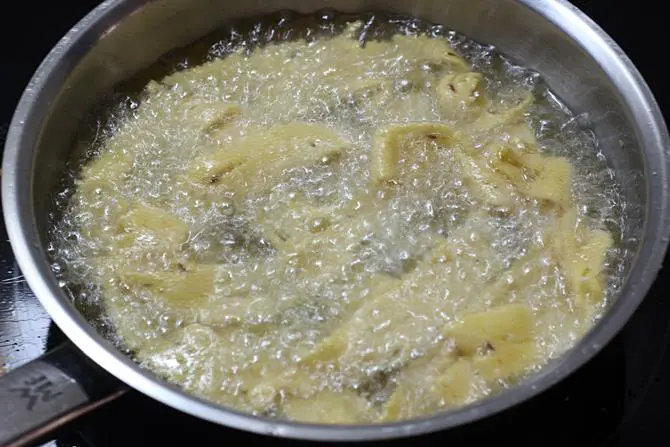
622, 398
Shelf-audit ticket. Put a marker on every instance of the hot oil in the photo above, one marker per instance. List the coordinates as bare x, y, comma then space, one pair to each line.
208, 350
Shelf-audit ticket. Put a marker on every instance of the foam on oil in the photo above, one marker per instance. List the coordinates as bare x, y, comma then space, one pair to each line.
207, 350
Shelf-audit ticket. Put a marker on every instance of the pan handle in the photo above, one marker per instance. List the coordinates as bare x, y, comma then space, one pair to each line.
50, 391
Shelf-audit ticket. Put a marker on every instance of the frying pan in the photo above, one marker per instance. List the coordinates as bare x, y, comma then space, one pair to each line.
121, 37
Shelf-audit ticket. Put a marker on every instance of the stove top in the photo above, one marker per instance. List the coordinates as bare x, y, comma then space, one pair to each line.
620, 398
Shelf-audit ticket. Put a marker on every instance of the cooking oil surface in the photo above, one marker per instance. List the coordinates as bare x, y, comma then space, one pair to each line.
301, 220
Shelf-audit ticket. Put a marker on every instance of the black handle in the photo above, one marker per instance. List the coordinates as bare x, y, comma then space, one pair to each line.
50, 391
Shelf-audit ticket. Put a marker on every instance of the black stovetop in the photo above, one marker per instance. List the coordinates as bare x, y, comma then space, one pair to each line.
620, 398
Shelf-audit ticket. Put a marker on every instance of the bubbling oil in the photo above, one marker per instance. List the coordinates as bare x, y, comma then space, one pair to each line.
262, 315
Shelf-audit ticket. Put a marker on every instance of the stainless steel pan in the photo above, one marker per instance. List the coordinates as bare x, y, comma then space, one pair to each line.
120, 37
